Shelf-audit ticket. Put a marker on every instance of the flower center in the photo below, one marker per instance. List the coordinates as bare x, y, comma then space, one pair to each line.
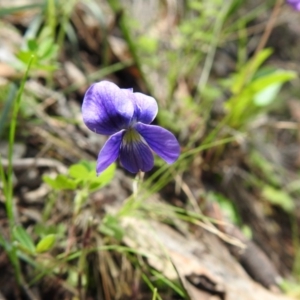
131, 136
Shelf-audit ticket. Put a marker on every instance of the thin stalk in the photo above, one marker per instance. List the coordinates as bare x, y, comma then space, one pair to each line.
67, 9
154, 296
137, 183
150, 285
51, 17
8, 182
12, 132
7, 107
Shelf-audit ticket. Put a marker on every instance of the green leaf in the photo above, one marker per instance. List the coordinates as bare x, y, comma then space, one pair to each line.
291, 288
279, 76
247, 231
235, 5
46, 33
147, 44
267, 95
26, 56
46, 243
32, 45
46, 47
227, 207
79, 171
103, 179
89, 165
21, 235
265, 168
10, 10
252, 66
61, 182
279, 198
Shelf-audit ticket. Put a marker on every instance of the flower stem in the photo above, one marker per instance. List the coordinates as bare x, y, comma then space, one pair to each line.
8, 182
136, 183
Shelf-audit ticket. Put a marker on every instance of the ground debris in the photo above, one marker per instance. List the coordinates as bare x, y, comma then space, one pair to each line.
203, 265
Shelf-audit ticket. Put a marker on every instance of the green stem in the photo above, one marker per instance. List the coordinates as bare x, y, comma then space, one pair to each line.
9, 182
12, 132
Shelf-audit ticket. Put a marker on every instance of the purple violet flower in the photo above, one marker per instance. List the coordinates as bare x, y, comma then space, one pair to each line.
294, 3
126, 116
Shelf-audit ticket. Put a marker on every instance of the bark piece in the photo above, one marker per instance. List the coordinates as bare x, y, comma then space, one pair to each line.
205, 266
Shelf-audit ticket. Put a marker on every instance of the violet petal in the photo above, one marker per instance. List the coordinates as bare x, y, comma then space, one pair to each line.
110, 151
136, 156
106, 108
294, 3
145, 107
160, 140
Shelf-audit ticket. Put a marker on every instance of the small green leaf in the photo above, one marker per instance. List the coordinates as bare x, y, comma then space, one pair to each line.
95, 185
227, 207
267, 95
247, 231
44, 67
79, 171
32, 45
89, 165
44, 47
265, 168
61, 182
46, 243
147, 44
47, 50
241, 78
21, 235
26, 56
279, 198
278, 76
291, 288
103, 179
